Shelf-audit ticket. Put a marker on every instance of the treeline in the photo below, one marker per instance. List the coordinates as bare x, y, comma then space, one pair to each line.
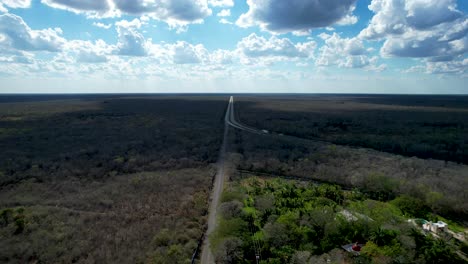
429, 129
381, 176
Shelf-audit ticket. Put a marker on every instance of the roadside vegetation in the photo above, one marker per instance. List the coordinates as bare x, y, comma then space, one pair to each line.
106, 179
382, 176
298, 222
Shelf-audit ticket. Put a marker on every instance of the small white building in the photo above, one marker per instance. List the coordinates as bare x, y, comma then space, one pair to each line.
435, 227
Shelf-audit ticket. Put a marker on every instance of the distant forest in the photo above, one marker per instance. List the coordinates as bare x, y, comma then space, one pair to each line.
429, 127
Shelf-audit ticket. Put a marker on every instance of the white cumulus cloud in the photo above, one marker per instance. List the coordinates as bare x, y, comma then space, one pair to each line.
87, 51
130, 41
173, 12
91, 7
458, 67
433, 29
345, 52
224, 13
225, 21
18, 35
102, 25
296, 15
257, 46
221, 3
16, 3
185, 53
221, 57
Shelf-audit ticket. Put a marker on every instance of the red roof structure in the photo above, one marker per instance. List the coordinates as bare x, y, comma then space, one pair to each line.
356, 247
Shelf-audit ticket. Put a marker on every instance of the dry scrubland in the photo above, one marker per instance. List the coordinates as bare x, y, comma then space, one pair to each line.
106, 179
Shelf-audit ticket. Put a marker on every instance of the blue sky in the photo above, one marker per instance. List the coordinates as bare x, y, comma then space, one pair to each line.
294, 46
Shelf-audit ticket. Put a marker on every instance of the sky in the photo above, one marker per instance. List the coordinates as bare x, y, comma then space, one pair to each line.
234, 46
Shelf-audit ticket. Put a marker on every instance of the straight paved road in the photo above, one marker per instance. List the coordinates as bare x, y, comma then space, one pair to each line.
229, 120
206, 255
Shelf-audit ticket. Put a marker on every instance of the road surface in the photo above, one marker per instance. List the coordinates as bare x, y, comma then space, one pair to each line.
229, 120
206, 255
